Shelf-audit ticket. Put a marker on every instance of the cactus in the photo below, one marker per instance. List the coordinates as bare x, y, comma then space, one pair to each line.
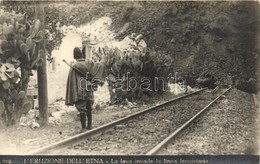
1, 29
13, 22
9, 49
19, 48
16, 74
19, 42
26, 107
33, 49
1, 51
16, 26
10, 67
35, 28
24, 48
17, 55
40, 33
20, 105
7, 28
2, 19
2, 107
14, 79
37, 60
39, 37
13, 94
4, 45
39, 63
6, 84
7, 72
3, 77
21, 29
21, 95
29, 43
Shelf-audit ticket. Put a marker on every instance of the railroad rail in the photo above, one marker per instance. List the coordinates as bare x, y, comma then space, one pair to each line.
167, 140
99, 130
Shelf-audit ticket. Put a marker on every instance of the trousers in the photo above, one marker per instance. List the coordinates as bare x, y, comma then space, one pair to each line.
84, 105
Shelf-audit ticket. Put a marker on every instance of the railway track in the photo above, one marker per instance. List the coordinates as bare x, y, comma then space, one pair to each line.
139, 132
164, 144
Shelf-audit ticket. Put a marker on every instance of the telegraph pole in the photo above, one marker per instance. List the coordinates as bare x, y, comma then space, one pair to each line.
42, 71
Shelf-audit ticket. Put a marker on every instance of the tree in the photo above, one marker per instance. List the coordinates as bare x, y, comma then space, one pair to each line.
41, 73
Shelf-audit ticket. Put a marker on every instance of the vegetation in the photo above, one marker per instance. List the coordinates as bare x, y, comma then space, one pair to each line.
19, 55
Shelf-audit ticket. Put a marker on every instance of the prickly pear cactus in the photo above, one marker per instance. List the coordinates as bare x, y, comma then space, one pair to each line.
19, 54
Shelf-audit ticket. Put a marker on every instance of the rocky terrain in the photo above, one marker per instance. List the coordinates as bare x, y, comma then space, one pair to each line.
218, 38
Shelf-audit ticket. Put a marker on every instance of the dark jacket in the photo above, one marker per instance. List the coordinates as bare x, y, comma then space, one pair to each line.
74, 92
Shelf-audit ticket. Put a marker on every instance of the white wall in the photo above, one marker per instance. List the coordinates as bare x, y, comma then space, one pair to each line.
57, 80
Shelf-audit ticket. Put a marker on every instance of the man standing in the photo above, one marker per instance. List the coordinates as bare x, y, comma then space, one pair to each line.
82, 81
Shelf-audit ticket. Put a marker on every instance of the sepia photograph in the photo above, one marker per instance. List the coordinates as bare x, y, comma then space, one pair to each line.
129, 82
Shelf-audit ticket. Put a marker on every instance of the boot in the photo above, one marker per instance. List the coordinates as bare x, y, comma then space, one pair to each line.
89, 115
83, 120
